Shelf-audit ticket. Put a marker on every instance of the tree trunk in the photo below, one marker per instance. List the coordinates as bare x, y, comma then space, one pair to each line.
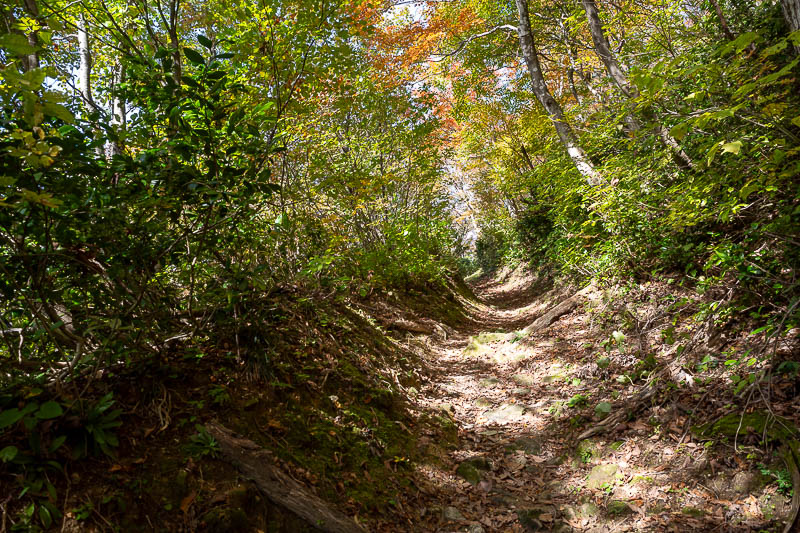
118, 104
85, 67
258, 465
550, 105
619, 78
177, 72
31, 61
791, 10
118, 117
603, 48
526, 156
85, 70
723, 22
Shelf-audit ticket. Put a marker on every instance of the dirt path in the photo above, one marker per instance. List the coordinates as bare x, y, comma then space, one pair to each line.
518, 402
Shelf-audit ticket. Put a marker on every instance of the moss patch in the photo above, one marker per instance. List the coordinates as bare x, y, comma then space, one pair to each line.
618, 508
693, 511
749, 423
586, 450
487, 338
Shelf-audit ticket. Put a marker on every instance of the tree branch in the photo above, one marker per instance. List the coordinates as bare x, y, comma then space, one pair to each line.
465, 42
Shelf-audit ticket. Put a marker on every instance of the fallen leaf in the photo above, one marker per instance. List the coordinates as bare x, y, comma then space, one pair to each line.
187, 501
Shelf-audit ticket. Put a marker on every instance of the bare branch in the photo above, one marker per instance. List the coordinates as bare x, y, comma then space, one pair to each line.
465, 42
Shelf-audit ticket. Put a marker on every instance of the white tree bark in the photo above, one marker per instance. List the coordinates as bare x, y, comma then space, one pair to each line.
550, 105
603, 48
118, 113
85, 66
615, 72
85, 70
31, 61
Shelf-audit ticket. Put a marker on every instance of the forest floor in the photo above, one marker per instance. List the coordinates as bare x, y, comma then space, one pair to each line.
519, 402
512, 407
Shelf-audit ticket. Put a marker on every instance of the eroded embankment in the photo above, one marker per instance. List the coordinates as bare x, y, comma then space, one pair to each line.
311, 380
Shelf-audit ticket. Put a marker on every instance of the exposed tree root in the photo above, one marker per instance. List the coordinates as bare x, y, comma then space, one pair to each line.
256, 464
558, 311
623, 411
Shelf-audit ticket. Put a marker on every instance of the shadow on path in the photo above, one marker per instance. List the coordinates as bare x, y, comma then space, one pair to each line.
518, 407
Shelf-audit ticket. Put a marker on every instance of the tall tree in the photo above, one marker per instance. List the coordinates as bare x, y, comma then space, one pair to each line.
617, 75
31, 61
723, 21
791, 11
551, 106
85, 65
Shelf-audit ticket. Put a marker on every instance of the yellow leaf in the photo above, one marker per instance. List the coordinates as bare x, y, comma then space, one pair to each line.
732, 147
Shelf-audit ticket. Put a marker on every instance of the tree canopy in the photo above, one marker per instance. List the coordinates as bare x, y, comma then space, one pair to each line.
168, 167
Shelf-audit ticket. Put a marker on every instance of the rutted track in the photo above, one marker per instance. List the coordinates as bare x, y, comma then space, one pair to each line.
517, 466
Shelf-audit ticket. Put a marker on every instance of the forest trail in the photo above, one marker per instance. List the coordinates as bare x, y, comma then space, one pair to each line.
518, 403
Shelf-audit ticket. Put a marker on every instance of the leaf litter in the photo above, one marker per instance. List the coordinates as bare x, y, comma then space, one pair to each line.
518, 403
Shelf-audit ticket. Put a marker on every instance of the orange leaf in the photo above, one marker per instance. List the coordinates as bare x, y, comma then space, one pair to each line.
187, 501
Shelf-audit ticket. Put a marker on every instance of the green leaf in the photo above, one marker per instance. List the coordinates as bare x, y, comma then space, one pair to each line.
29, 408
751, 187
8, 453
50, 410
194, 56
774, 49
722, 113
54, 24
34, 78
744, 40
57, 443
745, 89
54, 511
732, 147
712, 153
679, 131
45, 517
602, 409
59, 111
51, 491
205, 41
16, 44
10, 416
